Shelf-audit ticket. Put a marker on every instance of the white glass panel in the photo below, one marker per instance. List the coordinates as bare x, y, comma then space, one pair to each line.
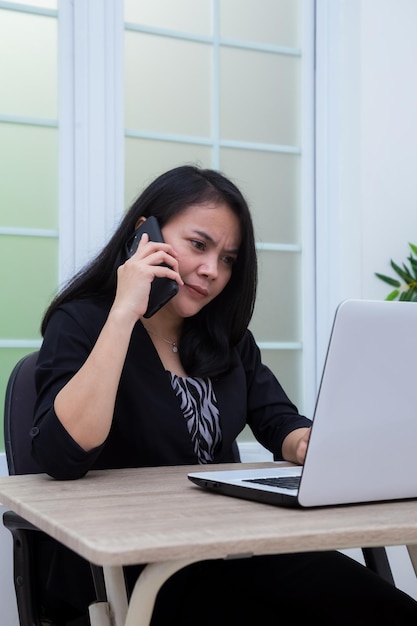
278, 301
29, 175
145, 160
286, 365
41, 4
169, 89
271, 184
180, 15
168, 85
27, 285
260, 97
28, 68
267, 21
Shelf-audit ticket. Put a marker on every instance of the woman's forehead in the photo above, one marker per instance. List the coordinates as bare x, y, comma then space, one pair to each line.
217, 220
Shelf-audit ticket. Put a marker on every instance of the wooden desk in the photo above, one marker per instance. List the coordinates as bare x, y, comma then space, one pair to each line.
157, 516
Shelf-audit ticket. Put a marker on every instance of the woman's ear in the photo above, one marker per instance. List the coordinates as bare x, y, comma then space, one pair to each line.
139, 222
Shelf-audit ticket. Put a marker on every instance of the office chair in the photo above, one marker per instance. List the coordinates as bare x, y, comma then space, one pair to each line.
18, 418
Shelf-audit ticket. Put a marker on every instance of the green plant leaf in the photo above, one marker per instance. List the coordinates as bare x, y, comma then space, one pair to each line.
391, 281
392, 295
405, 274
412, 294
407, 292
413, 248
413, 263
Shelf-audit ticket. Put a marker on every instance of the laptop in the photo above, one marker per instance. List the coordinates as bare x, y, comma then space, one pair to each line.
363, 443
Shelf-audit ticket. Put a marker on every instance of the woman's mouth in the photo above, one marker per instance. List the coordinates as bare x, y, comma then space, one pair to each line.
196, 290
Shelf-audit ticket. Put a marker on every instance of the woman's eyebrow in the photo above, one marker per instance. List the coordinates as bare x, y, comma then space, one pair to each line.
210, 240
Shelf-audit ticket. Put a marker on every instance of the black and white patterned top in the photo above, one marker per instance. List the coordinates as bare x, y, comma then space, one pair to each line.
199, 406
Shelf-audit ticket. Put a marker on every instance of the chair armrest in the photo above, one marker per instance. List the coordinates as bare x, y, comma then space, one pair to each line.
24, 583
14, 522
23, 565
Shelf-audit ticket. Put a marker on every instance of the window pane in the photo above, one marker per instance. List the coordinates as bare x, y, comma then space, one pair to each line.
286, 365
278, 302
180, 15
272, 185
245, 90
42, 4
259, 97
27, 285
267, 21
29, 189
172, 93
145, 160
29, 82
29, 173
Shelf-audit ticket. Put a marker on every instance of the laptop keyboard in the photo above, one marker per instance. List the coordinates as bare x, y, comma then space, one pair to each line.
286, 482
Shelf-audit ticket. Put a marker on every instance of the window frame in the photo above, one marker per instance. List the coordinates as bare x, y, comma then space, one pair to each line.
91, 169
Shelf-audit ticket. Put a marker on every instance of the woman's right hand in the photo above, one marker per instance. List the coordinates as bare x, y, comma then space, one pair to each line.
85, 404
135, 276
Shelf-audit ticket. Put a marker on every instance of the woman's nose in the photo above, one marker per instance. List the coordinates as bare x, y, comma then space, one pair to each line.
209, 267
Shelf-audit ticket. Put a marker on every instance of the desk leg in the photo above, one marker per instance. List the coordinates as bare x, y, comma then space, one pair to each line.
146, 589
412, 551
116, 594
100, 614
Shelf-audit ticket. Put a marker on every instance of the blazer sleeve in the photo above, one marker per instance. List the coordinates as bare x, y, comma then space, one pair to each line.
270, 413
67, 343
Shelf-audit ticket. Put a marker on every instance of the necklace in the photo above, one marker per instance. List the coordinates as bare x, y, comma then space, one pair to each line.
173, 344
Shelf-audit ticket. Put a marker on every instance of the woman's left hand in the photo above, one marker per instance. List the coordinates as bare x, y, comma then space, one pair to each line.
295, 445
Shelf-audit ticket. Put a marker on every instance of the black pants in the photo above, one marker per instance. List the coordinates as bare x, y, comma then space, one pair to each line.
296, 589
287, 590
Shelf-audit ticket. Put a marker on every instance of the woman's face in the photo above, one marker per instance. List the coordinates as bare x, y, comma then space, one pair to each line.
206, 238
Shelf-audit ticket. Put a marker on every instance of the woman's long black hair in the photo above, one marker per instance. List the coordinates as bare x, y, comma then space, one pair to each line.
208, 336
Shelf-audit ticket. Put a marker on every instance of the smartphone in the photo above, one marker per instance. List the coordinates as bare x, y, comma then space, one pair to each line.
162, 289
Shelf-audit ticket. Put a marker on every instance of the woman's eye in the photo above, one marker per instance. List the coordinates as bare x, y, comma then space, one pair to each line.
229, 260
198, 244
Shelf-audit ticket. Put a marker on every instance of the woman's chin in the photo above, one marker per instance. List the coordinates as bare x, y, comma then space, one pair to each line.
186, 308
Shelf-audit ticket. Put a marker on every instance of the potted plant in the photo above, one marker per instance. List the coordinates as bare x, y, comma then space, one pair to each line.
406, 288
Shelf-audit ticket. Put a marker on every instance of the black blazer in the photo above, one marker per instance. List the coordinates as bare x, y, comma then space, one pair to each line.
148, 427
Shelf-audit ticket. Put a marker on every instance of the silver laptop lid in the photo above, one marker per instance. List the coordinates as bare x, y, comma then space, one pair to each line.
363, 443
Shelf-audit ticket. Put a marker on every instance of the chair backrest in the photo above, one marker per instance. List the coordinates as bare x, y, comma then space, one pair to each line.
18, 416
18, 420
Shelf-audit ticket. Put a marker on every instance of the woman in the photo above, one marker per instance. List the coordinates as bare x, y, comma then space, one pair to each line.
118, 389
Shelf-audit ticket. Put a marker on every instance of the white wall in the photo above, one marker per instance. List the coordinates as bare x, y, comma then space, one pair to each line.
367, 147
389, 137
